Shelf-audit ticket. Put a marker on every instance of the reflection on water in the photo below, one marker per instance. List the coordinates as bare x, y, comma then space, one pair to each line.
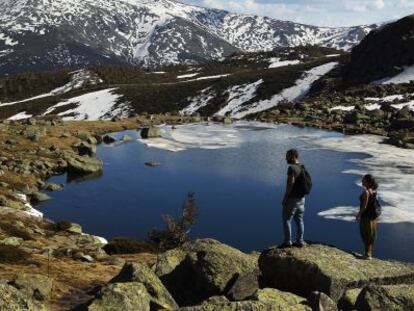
238, 187
76, 178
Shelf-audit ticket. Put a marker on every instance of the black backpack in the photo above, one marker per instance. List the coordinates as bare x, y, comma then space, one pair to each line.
304, 182
376, 206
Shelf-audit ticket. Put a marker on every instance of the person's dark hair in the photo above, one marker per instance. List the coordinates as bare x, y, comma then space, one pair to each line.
292, 153
370, 180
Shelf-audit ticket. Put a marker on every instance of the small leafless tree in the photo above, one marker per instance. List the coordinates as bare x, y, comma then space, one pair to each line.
177, 229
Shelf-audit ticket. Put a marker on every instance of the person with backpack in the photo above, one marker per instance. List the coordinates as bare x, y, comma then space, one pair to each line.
298, 185
369, 211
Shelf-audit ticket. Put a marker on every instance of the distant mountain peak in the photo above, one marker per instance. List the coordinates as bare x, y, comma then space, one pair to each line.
51, 34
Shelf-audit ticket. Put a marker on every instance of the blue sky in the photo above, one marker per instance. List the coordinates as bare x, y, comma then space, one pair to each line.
318, 12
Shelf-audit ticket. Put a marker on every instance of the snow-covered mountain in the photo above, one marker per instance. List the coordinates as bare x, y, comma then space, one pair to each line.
51, 34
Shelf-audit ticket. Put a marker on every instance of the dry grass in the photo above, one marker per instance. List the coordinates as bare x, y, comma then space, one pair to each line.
69, 277
18, 181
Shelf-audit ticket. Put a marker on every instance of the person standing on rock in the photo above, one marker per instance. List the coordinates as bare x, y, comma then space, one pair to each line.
368, 213
298, 185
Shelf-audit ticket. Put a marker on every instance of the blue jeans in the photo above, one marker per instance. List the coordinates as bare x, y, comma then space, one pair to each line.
295, 208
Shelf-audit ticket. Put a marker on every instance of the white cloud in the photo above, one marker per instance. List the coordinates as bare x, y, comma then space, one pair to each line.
318, 12
407, 4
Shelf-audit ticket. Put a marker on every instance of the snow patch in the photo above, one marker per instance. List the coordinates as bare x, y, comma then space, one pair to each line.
275, 62
21, 116
389, 98
91, 106
7, 40
406, 76
238, 95
190, 75
79, 79
209, 77
292, 94
371, 107
199, 101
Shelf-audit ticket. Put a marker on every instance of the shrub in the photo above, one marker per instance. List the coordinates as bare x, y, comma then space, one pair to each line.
124, 245
177, 229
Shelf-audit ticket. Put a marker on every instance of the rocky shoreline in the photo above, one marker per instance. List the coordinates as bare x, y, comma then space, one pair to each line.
52, 253
350, 115
47, 265
206, 275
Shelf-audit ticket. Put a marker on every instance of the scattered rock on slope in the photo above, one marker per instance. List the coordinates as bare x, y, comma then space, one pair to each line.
12, 299
393, 297
137, 272
84, 165
327, 269
121, 296
267, 299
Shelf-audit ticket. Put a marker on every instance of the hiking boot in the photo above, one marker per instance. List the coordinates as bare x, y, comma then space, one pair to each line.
285, 245
300, 244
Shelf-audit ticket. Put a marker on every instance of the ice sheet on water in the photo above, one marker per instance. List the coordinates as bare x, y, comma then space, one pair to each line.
203, 136
392, 166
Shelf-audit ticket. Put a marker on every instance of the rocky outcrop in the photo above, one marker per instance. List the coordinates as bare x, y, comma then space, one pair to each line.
327, 269
39, 197
83, 165
84, 148
394, 297
12, 299
208, 267
52, 187
264, 300
244, 286
137, 272
126, 138
121, 296
36, 286
321, 302
107, 139
348, 299
150, 132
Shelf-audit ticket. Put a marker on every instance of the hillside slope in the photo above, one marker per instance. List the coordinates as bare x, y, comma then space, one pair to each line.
384, 53
237, 86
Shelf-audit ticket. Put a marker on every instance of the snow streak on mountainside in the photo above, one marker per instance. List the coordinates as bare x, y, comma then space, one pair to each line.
80, 78
50, 34
100, 105
241, 99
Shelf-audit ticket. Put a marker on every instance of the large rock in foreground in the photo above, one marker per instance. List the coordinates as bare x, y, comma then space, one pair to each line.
327, 269
267, 299
122, 296
138, 272
202, 268
12, 299
393, 297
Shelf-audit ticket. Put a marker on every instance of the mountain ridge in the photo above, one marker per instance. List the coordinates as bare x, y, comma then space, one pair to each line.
51, 34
